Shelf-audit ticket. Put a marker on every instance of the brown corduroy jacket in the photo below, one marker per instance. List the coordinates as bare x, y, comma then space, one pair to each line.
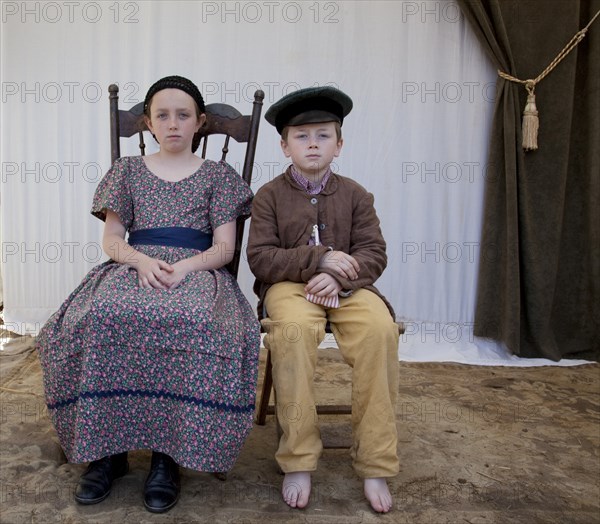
283, 216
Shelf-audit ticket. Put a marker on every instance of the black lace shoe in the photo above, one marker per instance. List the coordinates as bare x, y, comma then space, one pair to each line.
161, 491
96, 482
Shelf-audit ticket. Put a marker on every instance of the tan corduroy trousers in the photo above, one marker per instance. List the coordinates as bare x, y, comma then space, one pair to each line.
368, 340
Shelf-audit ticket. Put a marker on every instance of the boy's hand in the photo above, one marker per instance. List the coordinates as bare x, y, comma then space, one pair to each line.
341, 263
323, 285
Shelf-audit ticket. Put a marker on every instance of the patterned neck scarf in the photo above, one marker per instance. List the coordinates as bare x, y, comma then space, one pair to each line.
308, 186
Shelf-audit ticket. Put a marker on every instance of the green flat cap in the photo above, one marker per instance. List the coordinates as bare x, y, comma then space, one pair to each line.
309, 106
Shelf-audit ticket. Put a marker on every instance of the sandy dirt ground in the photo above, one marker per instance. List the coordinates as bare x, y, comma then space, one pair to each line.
478, 445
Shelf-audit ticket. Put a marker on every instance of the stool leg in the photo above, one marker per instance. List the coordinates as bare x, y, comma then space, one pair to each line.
266, 391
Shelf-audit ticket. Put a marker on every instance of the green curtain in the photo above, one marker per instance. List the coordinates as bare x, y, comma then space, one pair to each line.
539, 278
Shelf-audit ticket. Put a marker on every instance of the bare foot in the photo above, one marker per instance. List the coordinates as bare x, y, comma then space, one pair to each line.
296, 489
378, 494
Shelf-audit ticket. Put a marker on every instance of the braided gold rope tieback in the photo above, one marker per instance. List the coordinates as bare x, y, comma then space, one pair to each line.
530, 113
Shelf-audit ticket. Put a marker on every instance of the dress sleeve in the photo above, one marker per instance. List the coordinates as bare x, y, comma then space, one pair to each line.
113, 192
231, 197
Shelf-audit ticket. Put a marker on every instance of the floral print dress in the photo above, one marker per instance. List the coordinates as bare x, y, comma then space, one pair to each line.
169, 370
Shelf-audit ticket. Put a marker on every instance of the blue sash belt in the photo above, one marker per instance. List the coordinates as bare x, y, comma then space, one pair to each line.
172, 236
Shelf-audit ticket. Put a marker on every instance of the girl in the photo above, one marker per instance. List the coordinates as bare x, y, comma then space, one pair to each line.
158, 347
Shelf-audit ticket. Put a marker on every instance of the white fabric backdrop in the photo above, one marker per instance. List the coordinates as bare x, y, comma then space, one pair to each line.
417, 138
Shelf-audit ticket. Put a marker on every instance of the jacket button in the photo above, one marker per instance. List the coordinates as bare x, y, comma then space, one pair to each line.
313, 200
322, 227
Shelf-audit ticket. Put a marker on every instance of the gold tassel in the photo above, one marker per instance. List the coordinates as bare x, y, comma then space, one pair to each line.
531, 122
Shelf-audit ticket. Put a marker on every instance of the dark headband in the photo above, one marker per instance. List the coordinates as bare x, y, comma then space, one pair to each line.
175, 82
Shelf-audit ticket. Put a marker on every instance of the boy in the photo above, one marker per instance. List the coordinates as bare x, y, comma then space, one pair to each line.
316, 248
